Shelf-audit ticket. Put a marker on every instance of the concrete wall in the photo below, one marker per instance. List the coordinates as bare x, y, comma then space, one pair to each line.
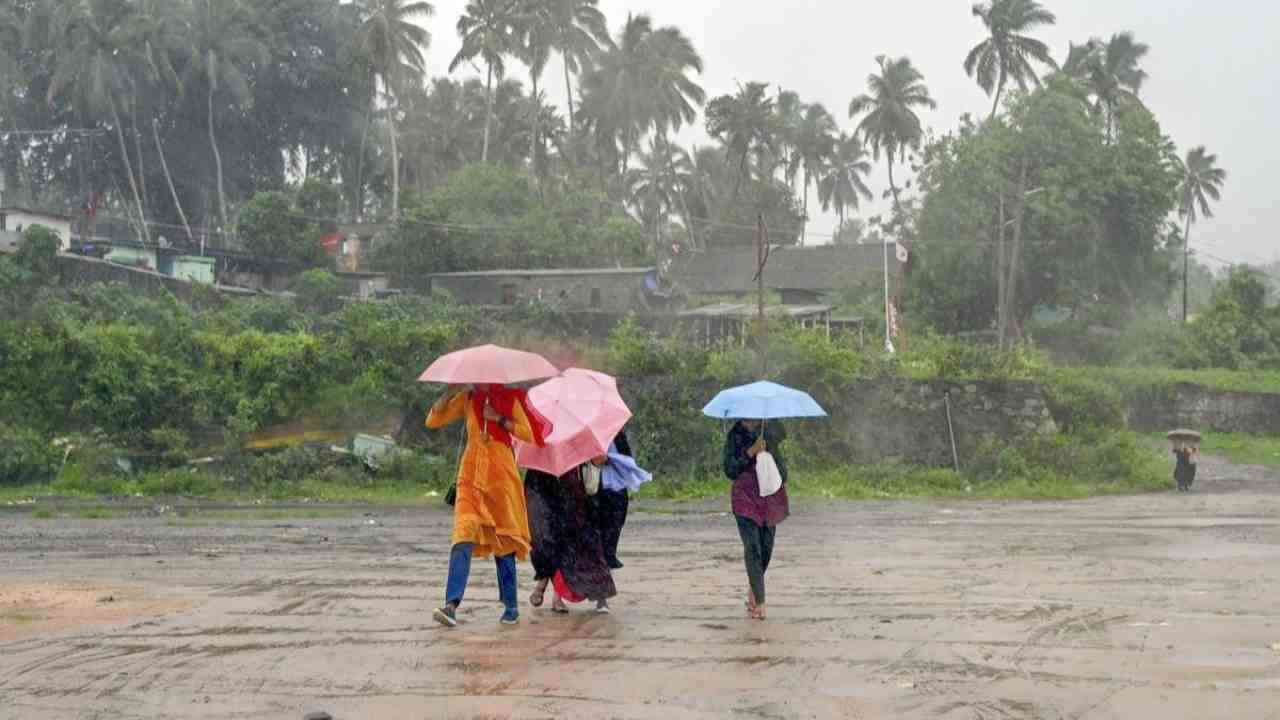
1163, 408
74, 269
906, 420
617, 292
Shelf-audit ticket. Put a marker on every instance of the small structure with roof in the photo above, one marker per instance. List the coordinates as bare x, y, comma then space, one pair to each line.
731, 320
601, 289
14, 220
801, 275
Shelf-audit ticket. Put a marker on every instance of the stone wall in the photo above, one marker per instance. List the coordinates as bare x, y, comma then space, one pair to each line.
1163, 408
886, 420
78, 270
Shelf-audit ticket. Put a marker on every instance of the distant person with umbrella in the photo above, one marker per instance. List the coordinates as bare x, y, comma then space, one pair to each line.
1186, 453
753, 460
490, 518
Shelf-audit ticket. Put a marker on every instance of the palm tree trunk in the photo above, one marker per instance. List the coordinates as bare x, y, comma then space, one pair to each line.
568, 91
364, 138
488, 114
164, 165
897, 205
217, 163
1186, 266
1001, 275
995, 104
128, 168
137, 143
1015, 251
395, 163
536, 106
804, 224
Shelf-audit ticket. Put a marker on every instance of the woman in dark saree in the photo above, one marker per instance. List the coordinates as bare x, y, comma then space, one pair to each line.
758, 517
568, 549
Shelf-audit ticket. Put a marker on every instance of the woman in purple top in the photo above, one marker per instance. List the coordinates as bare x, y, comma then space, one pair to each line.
758, 517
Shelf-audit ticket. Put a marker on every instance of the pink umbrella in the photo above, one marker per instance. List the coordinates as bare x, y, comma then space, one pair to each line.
586, 412
488, 364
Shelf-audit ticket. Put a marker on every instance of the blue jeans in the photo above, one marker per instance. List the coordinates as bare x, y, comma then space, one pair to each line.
460, 571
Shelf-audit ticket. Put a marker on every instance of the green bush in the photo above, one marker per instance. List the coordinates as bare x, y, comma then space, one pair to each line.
1080, 402
318, 290
636, 352
186, 482
38, 251
26, 457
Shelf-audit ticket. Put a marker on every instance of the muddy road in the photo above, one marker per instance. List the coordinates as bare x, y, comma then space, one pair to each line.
1163, 606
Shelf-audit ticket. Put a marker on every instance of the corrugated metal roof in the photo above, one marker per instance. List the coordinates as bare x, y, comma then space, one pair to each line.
552, 272
818, 269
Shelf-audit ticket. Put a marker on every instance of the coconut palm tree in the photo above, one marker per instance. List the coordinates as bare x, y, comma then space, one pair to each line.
535, 30
641, 83
1202, 181
157, 28
890, 122
488, 32
1111, 73
653, 187
843, 184
1008, 52
788, 112
579, 30
223, 47
392, 46
11, 43
815, 144
94, 58
744, 123
675, 96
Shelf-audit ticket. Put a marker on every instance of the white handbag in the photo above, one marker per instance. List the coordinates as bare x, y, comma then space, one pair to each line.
591, 478
767, 474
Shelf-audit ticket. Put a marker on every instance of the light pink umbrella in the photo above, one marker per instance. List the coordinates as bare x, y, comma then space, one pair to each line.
586, 412
488, 365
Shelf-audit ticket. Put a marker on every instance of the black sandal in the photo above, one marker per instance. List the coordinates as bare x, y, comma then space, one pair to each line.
538, 595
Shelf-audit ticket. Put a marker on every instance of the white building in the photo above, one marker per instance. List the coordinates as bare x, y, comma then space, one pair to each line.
13, 220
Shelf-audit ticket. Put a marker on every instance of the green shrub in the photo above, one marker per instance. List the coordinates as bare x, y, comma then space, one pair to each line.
26, 457
186, 482
636, 352
38, 251
416, 468
318, 290
1079, 402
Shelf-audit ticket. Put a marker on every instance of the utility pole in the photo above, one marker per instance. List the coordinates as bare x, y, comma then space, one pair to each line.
762, 257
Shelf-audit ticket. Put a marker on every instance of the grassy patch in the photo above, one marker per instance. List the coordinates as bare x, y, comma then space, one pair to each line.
1265, 381
1053, 468
19, 617
1239, 448
42, 513
97, 512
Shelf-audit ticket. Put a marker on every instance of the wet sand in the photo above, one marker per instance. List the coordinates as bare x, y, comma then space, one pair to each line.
1163, 606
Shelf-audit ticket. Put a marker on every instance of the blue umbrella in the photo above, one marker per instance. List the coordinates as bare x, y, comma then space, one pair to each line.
762, 401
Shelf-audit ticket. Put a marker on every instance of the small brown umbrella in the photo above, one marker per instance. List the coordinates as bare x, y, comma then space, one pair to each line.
1184, 434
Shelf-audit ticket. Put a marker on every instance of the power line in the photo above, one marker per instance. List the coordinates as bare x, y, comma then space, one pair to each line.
69, 131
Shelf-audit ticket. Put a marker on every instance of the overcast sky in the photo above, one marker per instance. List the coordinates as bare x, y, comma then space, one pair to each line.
1213, 68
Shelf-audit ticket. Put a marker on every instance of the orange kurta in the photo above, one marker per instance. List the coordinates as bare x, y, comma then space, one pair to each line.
490, 510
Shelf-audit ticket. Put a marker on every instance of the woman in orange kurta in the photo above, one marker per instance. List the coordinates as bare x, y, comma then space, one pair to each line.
489, 517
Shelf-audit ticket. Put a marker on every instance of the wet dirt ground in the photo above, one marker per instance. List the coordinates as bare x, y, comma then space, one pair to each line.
1162, 606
